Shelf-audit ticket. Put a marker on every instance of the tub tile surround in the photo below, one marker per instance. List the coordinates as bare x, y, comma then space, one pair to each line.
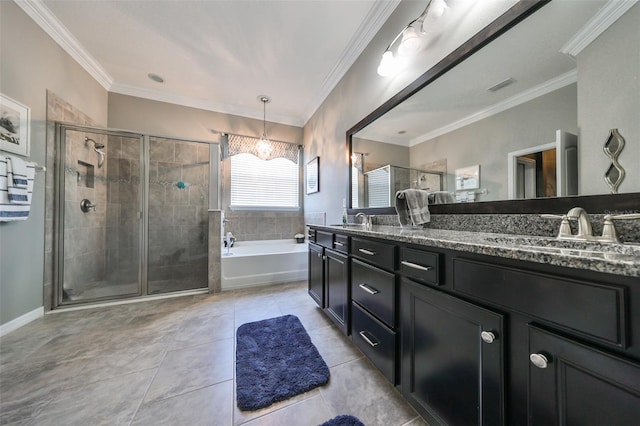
137, 364
251, 225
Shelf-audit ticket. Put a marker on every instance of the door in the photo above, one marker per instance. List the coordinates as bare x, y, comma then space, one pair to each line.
574, 384
337, 288
452, 358
316, 274
179, 172
99, 221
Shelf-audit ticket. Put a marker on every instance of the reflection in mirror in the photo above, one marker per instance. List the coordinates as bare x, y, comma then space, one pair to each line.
468, 116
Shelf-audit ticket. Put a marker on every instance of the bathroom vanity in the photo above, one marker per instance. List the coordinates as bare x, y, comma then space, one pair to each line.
479, 328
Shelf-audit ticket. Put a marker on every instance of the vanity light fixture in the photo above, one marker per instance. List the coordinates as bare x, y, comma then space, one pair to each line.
412, 41
264, 147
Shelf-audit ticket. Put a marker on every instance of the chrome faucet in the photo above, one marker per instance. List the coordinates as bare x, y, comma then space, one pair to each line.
584, 223
366, 219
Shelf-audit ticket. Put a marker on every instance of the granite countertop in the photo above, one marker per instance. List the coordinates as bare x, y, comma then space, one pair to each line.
619, 259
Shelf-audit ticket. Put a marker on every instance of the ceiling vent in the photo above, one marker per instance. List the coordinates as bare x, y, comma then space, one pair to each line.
502, 84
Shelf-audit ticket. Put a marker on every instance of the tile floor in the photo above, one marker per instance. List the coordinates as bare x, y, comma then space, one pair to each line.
171, 362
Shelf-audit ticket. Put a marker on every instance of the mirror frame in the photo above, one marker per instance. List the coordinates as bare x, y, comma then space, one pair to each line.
606, 203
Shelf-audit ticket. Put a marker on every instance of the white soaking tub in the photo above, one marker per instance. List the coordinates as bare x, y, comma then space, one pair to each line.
256, 263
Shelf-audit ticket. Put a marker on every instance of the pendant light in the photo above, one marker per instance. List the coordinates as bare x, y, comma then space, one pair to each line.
264, 147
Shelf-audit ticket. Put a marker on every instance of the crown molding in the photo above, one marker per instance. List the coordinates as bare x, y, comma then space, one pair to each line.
42, 16
375, 19
188, 101
536, 91
602, 20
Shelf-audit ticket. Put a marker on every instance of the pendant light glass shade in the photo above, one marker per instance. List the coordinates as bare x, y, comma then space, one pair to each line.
411, 43
264, 148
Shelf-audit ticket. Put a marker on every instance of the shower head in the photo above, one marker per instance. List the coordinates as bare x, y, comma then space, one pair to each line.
97, 147
96, 144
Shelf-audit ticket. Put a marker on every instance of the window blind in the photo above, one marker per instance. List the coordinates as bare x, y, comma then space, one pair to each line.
256, 183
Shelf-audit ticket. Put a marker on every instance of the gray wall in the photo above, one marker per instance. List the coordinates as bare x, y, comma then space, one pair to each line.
600, 76
131, 113
361, 91
487, 142
32, 63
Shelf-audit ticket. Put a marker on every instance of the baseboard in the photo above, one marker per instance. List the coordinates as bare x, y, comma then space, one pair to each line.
21, 320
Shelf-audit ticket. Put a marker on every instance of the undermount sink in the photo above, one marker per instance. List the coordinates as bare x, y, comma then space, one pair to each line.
567, 246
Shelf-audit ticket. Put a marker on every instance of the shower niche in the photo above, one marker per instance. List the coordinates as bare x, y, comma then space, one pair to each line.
85, 174
141, 235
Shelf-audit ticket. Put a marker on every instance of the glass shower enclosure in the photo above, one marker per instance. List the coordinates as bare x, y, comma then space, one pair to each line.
131, 214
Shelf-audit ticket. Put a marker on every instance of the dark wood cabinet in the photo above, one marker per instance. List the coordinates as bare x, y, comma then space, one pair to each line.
474, 339
452, 358
575, 384
329, 277
316, 274
337, 289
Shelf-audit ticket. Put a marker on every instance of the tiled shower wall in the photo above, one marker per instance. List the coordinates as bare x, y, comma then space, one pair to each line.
123, 197
84, 232
57, 110
178, 215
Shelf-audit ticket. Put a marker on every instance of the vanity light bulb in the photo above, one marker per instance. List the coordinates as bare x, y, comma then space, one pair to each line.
437, 8
388, 65
411, 43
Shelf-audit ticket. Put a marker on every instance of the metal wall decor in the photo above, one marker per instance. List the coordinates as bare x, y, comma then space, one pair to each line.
612, 148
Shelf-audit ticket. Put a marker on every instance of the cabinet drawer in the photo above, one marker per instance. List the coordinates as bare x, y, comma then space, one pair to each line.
420, 265
375, 340
375, 290
341, 243
325, 239
594, 310
379, 254
311, 235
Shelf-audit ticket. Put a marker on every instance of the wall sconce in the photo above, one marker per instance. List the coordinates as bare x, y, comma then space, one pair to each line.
411, 39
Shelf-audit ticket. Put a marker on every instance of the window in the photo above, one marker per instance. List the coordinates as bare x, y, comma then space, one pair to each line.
273, 183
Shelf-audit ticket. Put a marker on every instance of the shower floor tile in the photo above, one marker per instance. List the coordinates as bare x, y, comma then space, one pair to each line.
171, 362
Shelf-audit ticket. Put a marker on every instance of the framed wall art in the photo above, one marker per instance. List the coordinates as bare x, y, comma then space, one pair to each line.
313, 176
15, 120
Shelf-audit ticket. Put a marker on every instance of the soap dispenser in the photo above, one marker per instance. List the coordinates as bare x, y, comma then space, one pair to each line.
344, 212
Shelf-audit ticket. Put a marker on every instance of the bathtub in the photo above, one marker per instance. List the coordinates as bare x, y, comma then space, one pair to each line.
256, 263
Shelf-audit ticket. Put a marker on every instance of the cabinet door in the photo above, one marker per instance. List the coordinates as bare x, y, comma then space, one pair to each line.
337, 288
316, 274
574, 384
452, 358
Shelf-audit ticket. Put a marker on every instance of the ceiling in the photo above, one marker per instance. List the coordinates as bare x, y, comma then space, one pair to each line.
217, 55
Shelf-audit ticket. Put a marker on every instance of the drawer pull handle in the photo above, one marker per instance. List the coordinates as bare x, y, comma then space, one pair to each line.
488, 336
369, 252
416, 266
368, 289
363, 333
539, 360
338, 243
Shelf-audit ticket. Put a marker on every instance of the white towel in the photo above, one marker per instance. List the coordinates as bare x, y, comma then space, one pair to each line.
14, 204
18, 167
412, 206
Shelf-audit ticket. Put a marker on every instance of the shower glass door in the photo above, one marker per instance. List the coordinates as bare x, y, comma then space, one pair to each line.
179, 182
99, 223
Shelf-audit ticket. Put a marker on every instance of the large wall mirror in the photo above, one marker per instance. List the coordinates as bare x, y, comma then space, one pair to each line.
526, 100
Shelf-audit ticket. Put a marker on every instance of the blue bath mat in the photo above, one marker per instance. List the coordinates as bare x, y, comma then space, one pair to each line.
275, 360
343, 421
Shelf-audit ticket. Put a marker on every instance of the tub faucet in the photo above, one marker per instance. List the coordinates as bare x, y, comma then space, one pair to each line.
584, 223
